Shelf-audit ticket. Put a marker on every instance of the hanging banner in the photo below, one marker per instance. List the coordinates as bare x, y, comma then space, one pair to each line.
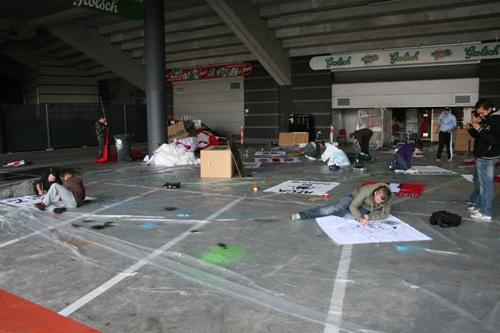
125, 8
208, 72
430, 55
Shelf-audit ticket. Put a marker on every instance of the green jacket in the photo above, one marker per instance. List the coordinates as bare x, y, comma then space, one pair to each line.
363, 198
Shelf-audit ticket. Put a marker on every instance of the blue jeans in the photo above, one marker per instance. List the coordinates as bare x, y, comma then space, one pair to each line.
338, 208
399, 163
484, 185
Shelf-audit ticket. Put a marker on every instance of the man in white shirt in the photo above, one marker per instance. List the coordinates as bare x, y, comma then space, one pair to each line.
447, 124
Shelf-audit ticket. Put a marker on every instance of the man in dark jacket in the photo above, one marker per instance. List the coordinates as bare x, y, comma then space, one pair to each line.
32, 187
59, 198
485, 128
363, 136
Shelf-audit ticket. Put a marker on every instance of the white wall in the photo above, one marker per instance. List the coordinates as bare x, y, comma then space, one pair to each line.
213, 101
419, 93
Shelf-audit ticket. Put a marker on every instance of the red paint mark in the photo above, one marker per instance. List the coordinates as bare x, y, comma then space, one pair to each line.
18, 315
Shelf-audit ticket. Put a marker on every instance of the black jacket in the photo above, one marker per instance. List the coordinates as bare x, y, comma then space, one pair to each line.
487, 137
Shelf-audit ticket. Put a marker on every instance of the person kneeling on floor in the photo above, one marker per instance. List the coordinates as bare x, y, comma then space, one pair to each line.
366, 203
61, 197
334, 157
402, 158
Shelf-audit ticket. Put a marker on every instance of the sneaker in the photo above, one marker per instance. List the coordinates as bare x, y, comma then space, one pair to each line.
480, 217
295, 216
472, 209
40, 205
438, 160
59, 210
469, 203
450, 159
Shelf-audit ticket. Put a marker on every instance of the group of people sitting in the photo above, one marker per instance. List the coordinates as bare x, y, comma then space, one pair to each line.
56, 195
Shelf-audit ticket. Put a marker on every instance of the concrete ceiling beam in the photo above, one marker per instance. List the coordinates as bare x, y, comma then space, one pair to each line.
244, 20
483, 24
359, 11
196, 45
191, 25
463, 14
183, 37
99, 49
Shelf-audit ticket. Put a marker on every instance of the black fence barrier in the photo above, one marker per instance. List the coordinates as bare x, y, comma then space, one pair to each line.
53, 126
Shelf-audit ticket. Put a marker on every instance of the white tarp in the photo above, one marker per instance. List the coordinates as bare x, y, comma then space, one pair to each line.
428, 170
28, 200
171, 155
345, 230
303, 187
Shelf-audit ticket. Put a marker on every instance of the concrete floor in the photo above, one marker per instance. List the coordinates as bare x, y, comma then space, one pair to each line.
214, 256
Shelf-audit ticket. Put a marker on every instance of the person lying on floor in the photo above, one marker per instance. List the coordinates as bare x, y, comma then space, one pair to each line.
367, 203
402, 158
61, 197
32, 187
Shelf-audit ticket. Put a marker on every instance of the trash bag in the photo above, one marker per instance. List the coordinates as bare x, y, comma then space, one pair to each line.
445, 219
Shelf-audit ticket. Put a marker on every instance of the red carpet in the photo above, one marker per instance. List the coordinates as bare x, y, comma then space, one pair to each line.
18, 315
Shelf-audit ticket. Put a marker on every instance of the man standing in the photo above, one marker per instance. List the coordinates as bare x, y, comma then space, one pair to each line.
101, 129
485, 128
447, 124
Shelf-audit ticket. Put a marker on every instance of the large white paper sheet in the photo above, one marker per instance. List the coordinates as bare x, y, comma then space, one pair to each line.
428, 170
25, 201
303, 187
349, 231
469, 177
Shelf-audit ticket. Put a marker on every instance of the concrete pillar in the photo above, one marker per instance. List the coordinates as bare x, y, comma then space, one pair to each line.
154, 49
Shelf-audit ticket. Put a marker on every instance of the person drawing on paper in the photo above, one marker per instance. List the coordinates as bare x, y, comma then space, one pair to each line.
334, 157
32, 187
367, 203
61, 197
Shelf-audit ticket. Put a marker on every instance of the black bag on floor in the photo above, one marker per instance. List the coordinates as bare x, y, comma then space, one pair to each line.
445, 219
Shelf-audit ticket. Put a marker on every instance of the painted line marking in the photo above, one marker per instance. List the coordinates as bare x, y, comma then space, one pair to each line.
338, 293
132, 269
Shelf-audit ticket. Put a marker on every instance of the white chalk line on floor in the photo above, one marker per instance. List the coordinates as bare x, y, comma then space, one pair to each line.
13, 241
132, 269
338, 293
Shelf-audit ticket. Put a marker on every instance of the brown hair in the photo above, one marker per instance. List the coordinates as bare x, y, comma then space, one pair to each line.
385, 194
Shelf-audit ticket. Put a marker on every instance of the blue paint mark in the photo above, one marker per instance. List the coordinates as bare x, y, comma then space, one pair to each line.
498, 239
408, 249
182, 215
149, 225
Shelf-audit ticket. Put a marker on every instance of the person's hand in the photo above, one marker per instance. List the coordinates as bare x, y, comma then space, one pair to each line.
364, 220
40, 192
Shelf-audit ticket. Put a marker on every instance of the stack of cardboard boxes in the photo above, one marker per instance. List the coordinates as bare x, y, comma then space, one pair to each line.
464, 142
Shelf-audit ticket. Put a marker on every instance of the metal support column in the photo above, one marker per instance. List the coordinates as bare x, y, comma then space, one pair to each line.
154, 48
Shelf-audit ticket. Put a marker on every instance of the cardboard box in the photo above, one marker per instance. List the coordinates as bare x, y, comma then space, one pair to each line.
176, 131
463, 142
292, 138
216, 162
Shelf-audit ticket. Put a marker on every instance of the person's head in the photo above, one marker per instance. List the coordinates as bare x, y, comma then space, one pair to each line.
321, 143
447, 110
68, 174
484, 107
419, 145
52, 175
381, 195
102, 119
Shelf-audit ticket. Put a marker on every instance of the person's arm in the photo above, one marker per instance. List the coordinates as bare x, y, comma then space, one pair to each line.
490, 134
383, 213
39, 188
357, 201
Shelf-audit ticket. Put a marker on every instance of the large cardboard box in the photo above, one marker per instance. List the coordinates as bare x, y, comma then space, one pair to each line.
292, 138
216, 162
463, 142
